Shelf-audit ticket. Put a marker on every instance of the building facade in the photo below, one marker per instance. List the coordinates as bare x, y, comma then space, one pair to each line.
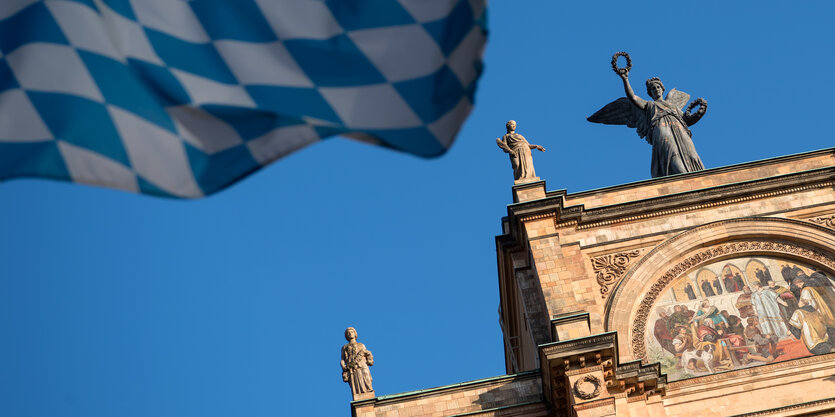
709, 293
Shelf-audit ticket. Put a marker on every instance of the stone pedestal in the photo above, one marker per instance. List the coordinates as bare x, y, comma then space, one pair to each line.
526, 180
530, 189
364, 396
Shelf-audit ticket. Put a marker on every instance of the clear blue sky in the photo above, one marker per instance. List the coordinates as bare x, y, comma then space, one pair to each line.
113, 304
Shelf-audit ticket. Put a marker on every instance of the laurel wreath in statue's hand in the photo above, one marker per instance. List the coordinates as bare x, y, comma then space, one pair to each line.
702, 103
621, 71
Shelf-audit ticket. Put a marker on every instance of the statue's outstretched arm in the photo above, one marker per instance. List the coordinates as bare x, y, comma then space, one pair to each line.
536, 147
637, 101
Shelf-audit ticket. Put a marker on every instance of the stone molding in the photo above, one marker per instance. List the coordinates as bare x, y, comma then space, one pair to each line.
595, 404
609, 269
598, 340
730, 194
781, 411
538, 216
453, 388
581, 371
826, 221
747, 372
512, 410
708, 172
580, 217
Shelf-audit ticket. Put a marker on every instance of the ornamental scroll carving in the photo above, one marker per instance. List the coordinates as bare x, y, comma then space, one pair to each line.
639, 325
825, 221
609, 269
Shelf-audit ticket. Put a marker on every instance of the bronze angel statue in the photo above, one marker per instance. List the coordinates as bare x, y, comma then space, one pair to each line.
660, 121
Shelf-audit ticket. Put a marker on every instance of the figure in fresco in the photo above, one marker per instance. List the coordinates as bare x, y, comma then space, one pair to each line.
785, 299
730, 284
786, 272
709, 332
688, 289
765, 345
680, 318
815, 280
820, 279
814, 320
763, 276
739, 281
682, 342
734, 323
709, 312
662, 333
768, 311
743, 303
790, 273
707, 290
717, 285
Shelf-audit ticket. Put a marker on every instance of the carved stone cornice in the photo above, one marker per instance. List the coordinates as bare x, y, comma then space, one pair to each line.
583, 344
748, 372
704, 256
515, 410
829, 403
609, 269
594, 356
709, 197
583, 218
595, 404
826, 221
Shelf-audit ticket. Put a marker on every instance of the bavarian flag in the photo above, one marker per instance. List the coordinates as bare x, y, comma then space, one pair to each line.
182, 98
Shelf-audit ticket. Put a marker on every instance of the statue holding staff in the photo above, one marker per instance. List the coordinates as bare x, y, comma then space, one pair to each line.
660, 121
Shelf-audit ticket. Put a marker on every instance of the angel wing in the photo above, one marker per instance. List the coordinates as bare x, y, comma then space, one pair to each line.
622, 112
678, 98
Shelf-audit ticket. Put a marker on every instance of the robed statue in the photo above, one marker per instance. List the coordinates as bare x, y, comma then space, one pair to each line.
355, 362
519, 150
660, 121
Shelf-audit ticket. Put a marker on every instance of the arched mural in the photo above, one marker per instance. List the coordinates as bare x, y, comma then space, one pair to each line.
739, 313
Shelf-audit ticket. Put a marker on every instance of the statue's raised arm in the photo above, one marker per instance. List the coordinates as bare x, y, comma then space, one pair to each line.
660, 121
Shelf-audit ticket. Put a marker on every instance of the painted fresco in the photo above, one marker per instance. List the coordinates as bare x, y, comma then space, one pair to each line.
741, 313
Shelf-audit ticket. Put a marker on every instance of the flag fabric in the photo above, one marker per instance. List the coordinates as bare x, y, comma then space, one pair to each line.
182, 98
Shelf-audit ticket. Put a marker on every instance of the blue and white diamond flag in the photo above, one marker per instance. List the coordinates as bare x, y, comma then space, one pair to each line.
179, 98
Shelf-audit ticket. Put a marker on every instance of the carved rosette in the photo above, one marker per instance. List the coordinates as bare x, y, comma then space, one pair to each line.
609, 269
639, 325
587, 387
825, 221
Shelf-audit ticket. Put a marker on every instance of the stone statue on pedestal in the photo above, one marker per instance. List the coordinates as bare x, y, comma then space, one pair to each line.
355, 362
660, 121
519, 150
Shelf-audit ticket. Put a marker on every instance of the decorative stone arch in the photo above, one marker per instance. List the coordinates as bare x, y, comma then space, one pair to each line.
627, 310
